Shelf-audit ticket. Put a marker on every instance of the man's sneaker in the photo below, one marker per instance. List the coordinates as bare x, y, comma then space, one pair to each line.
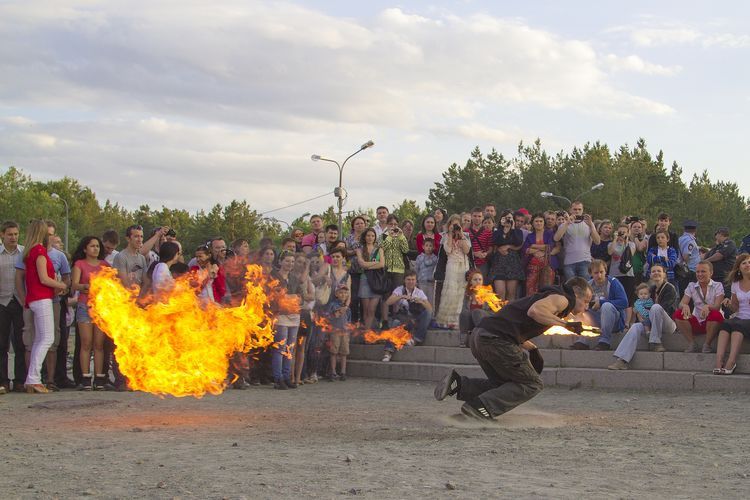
99, 382
618, 365
706, 349
85, 384
448, 386
656, 347
280, 385
579, 346
475, 409
387, 357
342, 377
602, 346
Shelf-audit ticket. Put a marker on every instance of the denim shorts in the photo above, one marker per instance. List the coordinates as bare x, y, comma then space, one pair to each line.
82, 313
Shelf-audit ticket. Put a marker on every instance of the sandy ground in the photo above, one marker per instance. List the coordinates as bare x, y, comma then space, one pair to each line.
373, 439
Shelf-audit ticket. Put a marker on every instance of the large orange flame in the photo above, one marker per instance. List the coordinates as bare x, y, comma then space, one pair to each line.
399, 336
179, 344
485, 295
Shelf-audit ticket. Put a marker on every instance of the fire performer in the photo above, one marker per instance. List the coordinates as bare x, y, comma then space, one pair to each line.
498, 344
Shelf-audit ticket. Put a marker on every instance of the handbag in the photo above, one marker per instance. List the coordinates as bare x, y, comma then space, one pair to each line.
681, 271
377, 280
626, 260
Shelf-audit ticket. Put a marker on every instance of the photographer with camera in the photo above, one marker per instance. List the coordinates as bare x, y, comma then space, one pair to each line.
621, 251
456, 246
507, 269
577, 232
394, 246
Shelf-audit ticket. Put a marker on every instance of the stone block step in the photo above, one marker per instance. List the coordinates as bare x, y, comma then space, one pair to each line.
673, 343
644, 360
569, 377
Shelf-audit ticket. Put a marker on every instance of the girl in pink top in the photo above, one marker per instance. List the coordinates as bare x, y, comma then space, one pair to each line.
88, 259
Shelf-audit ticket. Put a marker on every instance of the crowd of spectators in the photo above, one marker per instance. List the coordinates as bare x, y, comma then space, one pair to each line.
380, 274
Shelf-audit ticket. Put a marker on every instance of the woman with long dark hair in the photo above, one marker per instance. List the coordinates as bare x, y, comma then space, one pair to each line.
538, 250
507, 269
88, 259
369, 256
161, 277
352, 244
429, 230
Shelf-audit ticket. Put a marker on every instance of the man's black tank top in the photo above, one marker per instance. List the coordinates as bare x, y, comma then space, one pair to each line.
513, 321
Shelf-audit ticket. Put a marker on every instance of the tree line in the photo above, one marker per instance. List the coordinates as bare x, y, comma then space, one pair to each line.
635, 183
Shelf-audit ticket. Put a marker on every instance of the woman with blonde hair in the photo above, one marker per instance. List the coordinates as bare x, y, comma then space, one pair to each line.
41, 287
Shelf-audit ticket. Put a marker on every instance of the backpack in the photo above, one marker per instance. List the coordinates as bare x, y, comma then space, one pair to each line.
626, 260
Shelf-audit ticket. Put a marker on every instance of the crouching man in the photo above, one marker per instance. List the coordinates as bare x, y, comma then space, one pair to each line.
498, 344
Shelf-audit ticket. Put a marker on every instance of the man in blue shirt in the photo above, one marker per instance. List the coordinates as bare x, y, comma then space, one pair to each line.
607, 310
690, 253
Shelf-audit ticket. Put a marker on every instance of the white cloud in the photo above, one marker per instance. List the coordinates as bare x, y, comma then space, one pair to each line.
202, 102
656, 34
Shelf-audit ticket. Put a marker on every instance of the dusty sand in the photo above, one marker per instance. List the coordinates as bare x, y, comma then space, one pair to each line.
373, 439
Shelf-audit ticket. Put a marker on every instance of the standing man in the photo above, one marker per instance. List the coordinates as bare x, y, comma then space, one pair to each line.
722, 256
690, 253
481, 243
490, 210
11, 309
381, 214
498, 344
310, 241
110, 240
578, 233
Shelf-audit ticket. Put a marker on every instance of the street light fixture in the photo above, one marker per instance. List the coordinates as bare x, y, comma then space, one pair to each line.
56, 196
595, 187
339, 191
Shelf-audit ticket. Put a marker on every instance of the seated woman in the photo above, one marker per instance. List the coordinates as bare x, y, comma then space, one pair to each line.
664, 296
734, 330
707, 296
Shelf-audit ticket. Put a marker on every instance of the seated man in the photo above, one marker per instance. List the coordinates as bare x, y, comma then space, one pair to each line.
607, 310
707, 296
414, 311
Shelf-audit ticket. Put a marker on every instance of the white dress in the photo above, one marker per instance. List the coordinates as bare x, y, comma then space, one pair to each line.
454, 286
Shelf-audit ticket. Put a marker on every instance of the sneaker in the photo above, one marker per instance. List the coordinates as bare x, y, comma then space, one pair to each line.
602, 346
3, 390
475, 409
579, 346
66, 383
448, 386
656, 347
85, 384
290, 384
409, 343
706, 349
619, 364
387, 357
691, 348
99, 383
314, 378
342, 377
52, 387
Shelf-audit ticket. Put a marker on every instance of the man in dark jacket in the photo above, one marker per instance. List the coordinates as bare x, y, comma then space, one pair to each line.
498, 345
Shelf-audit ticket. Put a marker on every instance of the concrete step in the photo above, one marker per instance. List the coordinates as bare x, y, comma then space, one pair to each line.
672, 343
570, 377
644, 360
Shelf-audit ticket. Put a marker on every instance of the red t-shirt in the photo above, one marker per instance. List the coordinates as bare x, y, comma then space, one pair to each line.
86, 271
34, 288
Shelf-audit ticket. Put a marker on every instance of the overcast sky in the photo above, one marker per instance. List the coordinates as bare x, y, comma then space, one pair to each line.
191, 103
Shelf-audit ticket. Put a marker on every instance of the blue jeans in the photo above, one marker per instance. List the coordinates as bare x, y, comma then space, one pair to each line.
281, 360
417, 326
577, 269
608, 319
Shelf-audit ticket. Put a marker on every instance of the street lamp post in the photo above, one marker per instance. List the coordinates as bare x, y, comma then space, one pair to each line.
339, 191
595, 187
56, 196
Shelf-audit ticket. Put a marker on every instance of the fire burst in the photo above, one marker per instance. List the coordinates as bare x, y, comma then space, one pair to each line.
180, 345
398, 336
485, 295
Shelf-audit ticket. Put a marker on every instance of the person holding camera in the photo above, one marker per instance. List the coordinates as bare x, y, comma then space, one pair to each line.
621, 251
507, 269
577, 233
456, 245
395, 247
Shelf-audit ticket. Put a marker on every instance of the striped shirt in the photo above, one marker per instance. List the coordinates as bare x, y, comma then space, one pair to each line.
8, 274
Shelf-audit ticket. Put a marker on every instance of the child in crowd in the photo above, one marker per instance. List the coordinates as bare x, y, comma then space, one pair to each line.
643, 304
473, 311
339, 315
206, 272
425, 267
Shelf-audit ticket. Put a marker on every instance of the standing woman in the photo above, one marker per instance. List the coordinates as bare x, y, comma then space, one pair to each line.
41, 287
88, 258
507, 269
407, 227
734, 330
616, 250
429, 230
161, 277
539, 248
355, 270
601, 250
369, 257
440, 215
456, 245
638, 237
